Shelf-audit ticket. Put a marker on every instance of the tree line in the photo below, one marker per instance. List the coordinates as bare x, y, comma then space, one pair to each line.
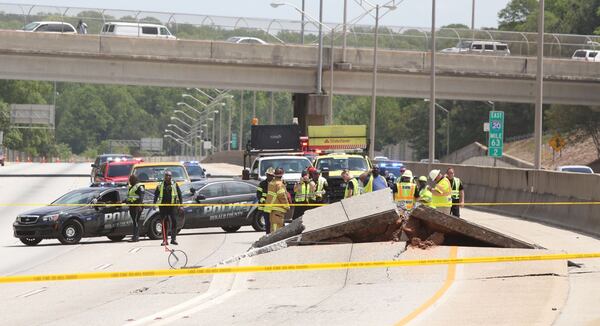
88, 115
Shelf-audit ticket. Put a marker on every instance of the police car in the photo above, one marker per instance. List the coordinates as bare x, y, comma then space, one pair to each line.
80, 214
194, 170
213, 193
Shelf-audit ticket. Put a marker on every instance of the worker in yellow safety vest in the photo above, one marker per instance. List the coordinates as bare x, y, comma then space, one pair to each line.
442, 192
261, 196
320, 194
277, 197
405, 190
375, 181
458, 192
424, 194
303, 192
352, 187
135, 196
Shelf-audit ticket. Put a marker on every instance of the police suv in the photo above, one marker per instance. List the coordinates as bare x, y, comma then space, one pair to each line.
207, 204
80, 214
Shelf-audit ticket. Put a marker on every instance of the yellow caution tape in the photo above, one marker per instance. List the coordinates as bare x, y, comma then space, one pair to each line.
287, 268
291, 205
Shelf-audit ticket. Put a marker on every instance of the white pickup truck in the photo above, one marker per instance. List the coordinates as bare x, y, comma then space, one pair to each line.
292, 167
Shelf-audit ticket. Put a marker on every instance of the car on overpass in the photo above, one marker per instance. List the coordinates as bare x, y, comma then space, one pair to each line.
245, 40
50, 27
213, 196
575, 168
145, 30
586, 55
87, 212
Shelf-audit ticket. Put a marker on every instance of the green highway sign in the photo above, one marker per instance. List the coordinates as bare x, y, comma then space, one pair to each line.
234, 141
496, 134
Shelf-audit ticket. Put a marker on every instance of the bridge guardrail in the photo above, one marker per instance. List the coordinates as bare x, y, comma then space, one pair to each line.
207, 27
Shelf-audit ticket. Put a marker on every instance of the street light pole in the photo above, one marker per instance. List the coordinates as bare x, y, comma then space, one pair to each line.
473, 15
432, 98
374, 88
212, 138
344, 25
240, 136
229, 129
254, 105
302, 27
539, 99
272, 120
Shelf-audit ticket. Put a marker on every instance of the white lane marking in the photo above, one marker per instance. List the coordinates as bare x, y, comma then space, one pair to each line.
30, 293
192, 310
134, 250
104, 266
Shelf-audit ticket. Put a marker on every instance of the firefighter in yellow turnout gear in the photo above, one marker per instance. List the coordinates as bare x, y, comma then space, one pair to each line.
261, 195
405, 190
278, 199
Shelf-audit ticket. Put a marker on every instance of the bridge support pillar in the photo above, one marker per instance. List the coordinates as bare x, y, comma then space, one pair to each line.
310, 109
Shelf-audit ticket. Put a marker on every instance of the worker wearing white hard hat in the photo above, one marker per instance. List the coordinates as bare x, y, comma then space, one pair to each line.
441, 193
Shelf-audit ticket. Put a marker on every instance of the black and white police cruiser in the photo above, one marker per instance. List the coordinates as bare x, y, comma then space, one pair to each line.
80, 214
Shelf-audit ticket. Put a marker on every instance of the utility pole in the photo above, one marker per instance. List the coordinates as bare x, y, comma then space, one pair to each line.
344, 32
432, 99
374, 88
539, 99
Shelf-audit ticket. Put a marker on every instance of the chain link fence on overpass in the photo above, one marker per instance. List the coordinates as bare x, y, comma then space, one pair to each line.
206, 27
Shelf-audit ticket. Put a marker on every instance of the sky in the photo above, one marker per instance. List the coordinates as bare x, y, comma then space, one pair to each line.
413, 13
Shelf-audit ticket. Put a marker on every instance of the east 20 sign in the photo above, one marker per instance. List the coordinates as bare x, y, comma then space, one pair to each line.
496, 134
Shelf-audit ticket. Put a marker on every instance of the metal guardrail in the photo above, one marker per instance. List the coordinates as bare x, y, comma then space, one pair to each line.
191, 26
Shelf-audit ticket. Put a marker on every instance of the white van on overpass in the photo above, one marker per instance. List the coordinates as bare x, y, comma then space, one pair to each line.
136, 30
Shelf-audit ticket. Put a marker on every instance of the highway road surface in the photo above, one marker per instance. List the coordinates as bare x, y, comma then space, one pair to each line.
523, 293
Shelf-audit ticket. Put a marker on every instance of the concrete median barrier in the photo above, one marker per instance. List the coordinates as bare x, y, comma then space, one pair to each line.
553, 196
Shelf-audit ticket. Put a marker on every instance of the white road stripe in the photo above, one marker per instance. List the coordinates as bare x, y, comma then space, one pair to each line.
30, 293
134, 250
101, 267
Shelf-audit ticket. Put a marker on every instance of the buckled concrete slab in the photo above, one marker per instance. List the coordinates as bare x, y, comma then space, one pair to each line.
454, 227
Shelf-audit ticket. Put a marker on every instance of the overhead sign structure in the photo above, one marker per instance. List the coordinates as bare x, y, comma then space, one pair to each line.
496, 134
151, 144
31, 116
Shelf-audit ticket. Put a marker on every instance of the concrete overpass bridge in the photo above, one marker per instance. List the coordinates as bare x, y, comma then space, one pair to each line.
190, 63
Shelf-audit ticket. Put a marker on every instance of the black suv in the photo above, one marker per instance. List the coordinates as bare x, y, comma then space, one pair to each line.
80, 214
